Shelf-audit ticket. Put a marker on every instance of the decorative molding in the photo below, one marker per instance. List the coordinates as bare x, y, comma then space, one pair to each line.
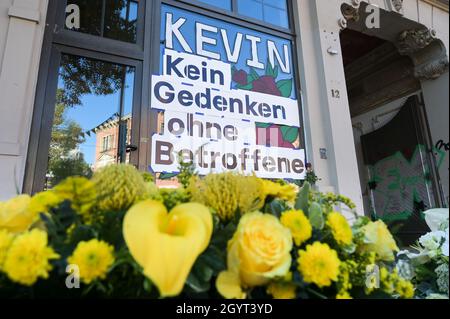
432, 70
349, 13
441, 4
412, 41
24, 14
396, 6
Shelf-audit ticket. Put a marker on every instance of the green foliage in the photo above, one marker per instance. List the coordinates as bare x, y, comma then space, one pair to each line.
187, 171
303, 198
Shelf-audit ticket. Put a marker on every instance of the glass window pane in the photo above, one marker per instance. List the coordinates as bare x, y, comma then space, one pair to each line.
281, 4
223, 4
115, 19
271, 11
251, 8
276, 16
92, 117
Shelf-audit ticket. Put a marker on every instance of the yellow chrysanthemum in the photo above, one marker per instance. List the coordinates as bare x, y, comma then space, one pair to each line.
286, 192
227, 193
15, 215
282, 290
93, 258
119, 187
28, 258
379, 239
79, 191
405, 289
343, 295
340, 228
299, 225
319, 264
6, 238
42, 202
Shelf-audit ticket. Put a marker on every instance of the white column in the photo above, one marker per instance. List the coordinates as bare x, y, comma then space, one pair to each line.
326, 107
18, 77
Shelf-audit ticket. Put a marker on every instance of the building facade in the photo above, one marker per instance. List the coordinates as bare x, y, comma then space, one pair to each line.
370, 78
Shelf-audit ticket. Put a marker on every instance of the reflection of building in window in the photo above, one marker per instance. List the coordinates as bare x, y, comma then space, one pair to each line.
107, 141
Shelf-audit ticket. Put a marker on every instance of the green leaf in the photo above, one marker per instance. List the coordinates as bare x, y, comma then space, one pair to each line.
263, 125
253, 75
196, 284
165, 176
269, 68
290, 134
302, 198
214, 258
316, 217
285, 87
148, 285
247, 87
275, 72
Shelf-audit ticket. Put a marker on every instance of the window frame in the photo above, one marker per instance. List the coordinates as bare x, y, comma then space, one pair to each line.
58, 41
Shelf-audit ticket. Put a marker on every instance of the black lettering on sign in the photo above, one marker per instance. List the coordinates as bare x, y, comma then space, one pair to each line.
441, 145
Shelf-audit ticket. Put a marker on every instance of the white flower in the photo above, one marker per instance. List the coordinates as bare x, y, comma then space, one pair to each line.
445, 246
432, 241
436, 217
437, 296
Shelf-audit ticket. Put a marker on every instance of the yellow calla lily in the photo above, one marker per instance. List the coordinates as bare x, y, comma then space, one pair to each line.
166, 245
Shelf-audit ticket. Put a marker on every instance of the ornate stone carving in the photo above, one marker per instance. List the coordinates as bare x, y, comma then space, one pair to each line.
397, 5
349, 13
412, 41
432, 70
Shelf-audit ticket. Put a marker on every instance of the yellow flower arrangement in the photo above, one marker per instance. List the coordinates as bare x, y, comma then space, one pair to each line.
229, 285
392, 283
15, 215
379, 239
405, 289
228, 192
298, 224
28, 258
343, 296
340, 228
258, 252
319, 264
80, 192
93, 258
119, 187
42, 202
287, 192
6, 238
282, 290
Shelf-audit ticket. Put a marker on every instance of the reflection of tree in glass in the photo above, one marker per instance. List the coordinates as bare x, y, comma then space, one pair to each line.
118, 23
64, 157
115, 19
86, 76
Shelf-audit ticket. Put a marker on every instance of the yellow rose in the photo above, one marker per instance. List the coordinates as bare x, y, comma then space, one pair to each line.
15, 215
259, 251
379, 239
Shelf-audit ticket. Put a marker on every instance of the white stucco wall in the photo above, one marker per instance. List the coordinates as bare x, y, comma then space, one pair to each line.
22, 24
